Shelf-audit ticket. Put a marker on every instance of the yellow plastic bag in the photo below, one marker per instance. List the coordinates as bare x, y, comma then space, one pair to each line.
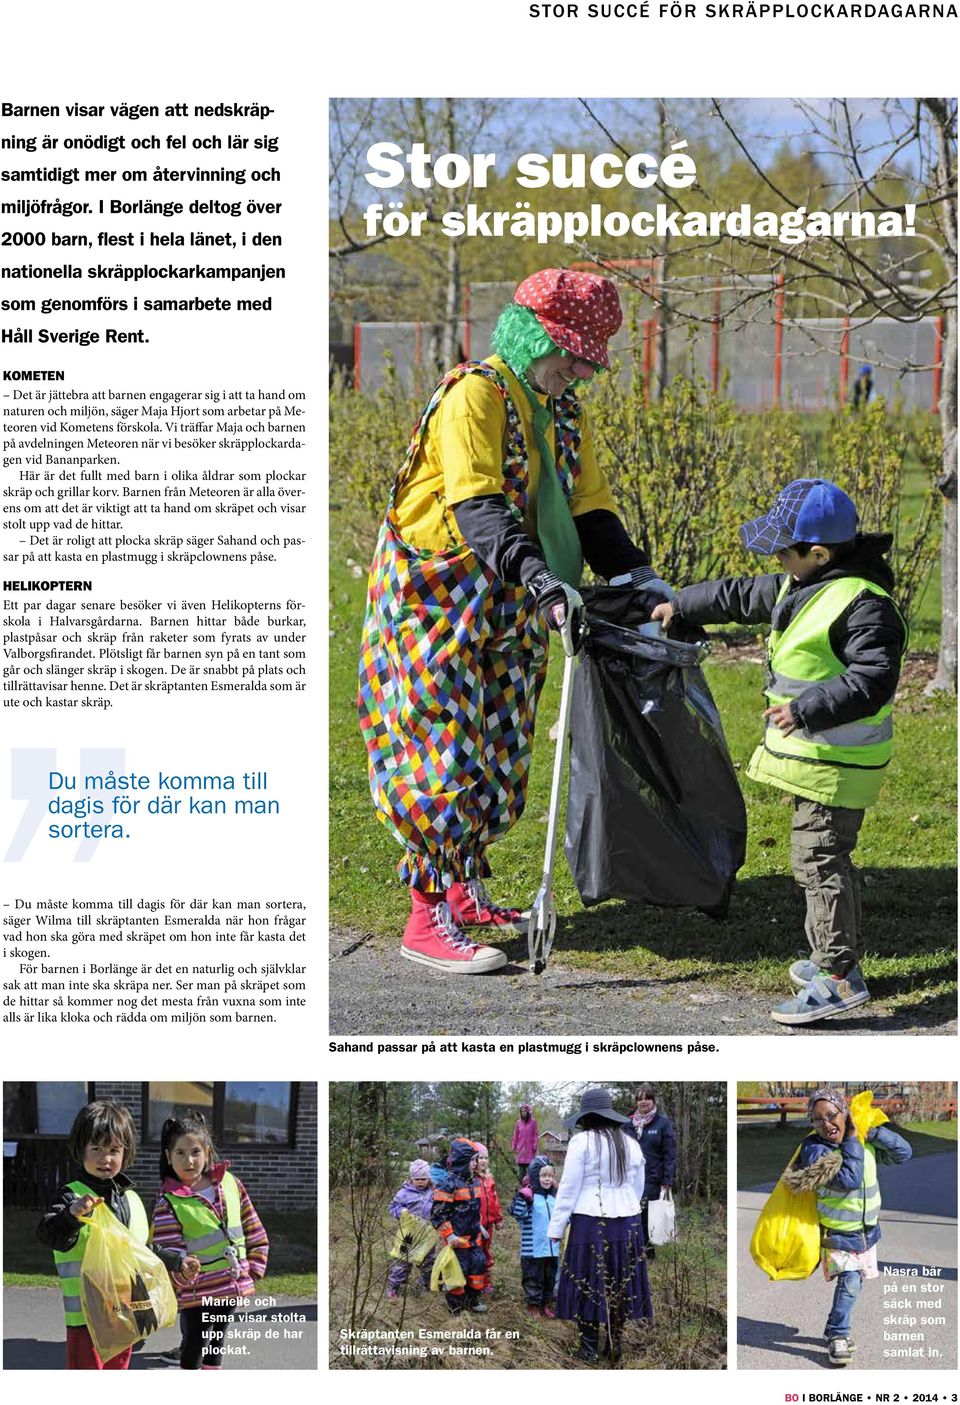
125, 1291
447, 1269
864, 1114
786, 1237
414, 1238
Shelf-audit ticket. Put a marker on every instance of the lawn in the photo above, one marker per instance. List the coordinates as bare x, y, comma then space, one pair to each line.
687, 1284
293, 1253
906, 852
763, 1151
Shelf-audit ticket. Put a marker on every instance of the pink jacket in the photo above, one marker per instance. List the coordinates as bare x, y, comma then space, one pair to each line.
525, 1138
167, 1233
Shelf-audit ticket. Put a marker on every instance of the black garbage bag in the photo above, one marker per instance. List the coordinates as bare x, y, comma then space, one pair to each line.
654, 810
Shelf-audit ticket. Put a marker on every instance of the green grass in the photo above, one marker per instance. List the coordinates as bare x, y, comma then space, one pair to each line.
687, 1287
906, 852
938, 1131
763, 1151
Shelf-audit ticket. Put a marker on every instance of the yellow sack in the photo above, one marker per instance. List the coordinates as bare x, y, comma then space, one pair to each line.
414, 1239
125, 1291
864, 1114
786, 1237
447, 1267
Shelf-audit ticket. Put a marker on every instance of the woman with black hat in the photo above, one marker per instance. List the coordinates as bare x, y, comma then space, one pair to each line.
603, 1276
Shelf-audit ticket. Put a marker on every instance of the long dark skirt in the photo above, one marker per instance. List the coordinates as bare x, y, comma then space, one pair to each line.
603, 1277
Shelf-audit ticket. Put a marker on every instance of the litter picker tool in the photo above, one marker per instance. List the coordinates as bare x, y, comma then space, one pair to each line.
542, 925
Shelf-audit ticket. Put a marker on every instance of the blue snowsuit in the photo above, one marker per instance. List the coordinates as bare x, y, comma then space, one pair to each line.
539, 1256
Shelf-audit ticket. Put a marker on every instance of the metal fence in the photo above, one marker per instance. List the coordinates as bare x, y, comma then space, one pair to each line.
737, 337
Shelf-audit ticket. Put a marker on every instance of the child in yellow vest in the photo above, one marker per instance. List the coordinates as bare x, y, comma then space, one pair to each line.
834, 658
205, 1211
103, 1143
842, 1172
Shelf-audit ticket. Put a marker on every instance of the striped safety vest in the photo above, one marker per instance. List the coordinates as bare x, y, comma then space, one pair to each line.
851, 1211
68, 1264
841, 765
205, 1233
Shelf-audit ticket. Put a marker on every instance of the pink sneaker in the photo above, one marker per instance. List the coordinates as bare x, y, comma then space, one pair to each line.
472, 906
433, 938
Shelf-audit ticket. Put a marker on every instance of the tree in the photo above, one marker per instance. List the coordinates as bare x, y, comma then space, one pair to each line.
903, 151
432, 264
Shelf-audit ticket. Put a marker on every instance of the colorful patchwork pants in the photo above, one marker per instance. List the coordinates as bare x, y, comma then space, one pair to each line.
452, 665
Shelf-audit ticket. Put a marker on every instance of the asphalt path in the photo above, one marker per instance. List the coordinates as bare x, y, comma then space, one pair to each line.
780, 1325
33, 1335
373, 990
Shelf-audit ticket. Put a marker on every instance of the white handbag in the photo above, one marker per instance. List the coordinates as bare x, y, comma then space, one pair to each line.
661, 1221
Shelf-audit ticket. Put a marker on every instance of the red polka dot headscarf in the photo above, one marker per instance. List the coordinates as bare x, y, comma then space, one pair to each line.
578, 311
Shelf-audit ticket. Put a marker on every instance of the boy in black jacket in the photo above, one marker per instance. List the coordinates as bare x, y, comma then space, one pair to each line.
832, 668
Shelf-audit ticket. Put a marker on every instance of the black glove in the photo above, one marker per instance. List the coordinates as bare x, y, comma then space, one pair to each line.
562, 607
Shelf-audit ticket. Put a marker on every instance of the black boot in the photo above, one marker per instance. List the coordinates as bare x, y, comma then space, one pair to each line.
589, 1349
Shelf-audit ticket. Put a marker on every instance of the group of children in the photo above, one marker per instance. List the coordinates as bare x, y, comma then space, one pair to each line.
458, 1196
204, 1229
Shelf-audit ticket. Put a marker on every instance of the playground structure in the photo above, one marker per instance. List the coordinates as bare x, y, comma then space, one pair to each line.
734, 333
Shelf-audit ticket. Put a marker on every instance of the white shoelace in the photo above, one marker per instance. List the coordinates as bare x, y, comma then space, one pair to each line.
482, 899
447, 929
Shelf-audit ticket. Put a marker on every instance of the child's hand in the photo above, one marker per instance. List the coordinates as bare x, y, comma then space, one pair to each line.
190, 1268
526, 1191
85, 1205
663, 612
781, 716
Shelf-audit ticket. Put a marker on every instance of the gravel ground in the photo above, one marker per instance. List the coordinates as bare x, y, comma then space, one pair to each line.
562, 1001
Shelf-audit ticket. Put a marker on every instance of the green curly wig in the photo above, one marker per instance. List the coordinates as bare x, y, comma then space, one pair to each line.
518, 338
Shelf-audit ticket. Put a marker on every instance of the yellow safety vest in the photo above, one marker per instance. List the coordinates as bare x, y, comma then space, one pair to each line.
68, 1263
851, 1211
205, 1233
841, 765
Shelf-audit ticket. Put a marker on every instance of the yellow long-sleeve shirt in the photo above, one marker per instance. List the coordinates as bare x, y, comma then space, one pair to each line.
461, 456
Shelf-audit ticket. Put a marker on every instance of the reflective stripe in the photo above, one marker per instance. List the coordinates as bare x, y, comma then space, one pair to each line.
235, 1233
786, 687
205, 1241
837, 1212
847, 734
69, 1270
72, 1305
